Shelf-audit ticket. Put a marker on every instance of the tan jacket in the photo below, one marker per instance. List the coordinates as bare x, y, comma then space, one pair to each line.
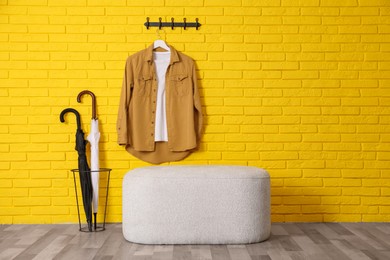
136, 116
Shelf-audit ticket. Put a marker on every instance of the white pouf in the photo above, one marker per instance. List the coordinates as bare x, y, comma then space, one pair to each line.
196, 205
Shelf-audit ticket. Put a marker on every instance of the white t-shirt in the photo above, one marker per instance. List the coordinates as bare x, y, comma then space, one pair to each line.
161, 61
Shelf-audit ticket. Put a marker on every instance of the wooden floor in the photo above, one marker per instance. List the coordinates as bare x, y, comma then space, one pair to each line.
288, 241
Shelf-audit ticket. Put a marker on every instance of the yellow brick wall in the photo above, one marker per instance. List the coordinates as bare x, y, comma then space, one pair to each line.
300, 88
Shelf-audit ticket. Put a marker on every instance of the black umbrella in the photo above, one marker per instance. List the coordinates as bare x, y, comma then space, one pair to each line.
84, 170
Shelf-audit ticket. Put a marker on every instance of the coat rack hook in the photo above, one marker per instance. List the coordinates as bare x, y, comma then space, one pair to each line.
185, 23
160, 24
147, 23
197, 23
173, 23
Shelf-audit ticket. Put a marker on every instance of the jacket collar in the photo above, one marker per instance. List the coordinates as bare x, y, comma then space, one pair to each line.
149, 54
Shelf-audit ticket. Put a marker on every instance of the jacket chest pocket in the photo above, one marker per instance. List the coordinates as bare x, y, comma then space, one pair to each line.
181, 83
144, 86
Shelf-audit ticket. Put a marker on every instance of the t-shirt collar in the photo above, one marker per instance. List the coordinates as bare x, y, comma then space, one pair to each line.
149, 54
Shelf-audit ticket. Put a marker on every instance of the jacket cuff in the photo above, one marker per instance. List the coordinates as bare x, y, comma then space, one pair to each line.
122, 140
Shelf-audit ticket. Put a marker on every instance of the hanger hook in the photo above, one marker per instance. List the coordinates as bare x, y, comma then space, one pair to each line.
158, 33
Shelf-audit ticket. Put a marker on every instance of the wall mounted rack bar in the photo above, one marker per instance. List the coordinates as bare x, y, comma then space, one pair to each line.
171, 24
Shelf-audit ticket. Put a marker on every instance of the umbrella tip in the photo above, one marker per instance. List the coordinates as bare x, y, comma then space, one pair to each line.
89, 225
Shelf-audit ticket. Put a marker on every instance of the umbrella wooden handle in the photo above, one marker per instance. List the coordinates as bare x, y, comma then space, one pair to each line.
71, 110
93, 101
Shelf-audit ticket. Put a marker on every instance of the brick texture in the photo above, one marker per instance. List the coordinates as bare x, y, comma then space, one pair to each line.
300, 88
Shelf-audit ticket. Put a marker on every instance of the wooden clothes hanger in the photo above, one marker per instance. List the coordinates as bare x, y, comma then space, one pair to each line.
160, 45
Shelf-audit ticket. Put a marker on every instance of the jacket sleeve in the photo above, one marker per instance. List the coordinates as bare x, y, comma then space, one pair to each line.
198, 107
124, 102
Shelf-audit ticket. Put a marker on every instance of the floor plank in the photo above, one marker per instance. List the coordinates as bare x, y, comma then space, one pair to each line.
295, 241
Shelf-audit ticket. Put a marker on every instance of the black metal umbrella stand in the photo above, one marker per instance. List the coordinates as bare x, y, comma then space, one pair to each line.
98, 226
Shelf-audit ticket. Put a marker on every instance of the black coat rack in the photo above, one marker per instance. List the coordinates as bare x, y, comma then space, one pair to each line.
172, 24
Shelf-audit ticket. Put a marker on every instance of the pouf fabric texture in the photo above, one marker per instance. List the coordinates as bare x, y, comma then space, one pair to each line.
196, 205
